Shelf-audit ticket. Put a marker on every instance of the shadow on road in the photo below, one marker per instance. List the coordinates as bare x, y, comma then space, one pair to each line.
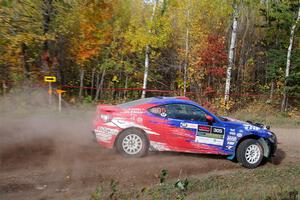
279, 157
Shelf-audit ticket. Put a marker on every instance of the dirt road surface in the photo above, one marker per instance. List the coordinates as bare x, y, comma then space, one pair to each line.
51, 156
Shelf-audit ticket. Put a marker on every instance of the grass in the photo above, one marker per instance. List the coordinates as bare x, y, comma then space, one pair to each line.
262, 183
267, 114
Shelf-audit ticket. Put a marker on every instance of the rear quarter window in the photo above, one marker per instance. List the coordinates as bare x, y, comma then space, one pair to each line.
159, 111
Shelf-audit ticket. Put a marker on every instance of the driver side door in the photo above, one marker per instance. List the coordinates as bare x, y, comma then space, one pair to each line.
195, 132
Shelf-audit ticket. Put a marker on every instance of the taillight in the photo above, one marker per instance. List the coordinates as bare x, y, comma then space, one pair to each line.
105, 118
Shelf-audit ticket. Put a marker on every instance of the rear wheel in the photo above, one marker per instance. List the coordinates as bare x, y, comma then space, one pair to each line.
250, 153
132, 143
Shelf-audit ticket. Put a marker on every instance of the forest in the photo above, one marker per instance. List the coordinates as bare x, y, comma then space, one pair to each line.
221, 52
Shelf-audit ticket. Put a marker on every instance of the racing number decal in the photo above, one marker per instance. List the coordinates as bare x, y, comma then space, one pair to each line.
219, 131
210, 135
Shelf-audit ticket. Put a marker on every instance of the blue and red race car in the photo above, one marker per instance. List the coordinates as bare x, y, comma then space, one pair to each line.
178, 124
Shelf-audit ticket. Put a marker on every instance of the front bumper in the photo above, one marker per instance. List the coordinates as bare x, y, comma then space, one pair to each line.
273, 144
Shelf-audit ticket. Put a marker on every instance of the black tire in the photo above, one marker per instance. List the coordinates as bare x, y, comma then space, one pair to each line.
244, 155
141, 138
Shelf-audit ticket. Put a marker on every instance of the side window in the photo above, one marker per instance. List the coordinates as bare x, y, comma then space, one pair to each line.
185, 112
159, 111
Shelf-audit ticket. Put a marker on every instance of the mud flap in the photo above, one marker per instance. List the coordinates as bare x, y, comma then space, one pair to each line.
265, 146
231, 157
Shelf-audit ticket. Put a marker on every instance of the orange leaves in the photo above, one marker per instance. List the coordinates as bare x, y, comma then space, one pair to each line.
94, 30
214, 57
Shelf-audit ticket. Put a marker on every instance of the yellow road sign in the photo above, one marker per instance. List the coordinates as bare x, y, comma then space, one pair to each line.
50, 79
60, 91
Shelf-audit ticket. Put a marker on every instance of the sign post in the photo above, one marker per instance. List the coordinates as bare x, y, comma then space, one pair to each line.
59, 92
50, 79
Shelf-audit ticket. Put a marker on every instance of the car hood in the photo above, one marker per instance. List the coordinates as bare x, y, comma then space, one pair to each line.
229, 120
247, 125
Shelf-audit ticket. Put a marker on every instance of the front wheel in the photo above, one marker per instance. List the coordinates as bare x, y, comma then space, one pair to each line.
250, 153
132, 143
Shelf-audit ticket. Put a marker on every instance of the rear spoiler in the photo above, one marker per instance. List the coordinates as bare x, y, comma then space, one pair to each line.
107, 108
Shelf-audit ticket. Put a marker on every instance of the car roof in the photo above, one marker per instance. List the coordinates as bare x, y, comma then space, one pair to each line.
156, 100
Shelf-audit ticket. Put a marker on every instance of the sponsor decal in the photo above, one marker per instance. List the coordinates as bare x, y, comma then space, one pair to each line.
163, 114
134, 111
204, 129
231, 138
159, 146
188, 125
210, 135
239, 134
105, 130
125, 124
161, 110
250, 127
230, 143
232, 133
229, 147
207, 140
105, 134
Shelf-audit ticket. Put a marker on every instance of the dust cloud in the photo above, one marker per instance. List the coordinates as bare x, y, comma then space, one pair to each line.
45, 154
32, 131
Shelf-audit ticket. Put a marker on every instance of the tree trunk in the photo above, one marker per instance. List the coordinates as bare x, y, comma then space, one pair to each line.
186, 50
146, 71
97, 86
231, 52
26, 68
243, 55
47, 13
4, 87
92, 81
100, 86
272, 90
101, 83
81, 83
126, 86
147, 56
288, 62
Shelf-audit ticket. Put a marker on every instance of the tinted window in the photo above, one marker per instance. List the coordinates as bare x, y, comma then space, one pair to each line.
185, 112
179, 111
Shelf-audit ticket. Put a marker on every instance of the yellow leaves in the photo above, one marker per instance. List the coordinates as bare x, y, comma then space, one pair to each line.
146, 30
225, 105
115, 79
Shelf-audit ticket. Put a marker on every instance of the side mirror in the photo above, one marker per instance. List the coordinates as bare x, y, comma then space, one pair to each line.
209, 118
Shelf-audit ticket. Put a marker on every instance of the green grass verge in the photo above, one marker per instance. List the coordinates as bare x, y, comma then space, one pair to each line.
261, 183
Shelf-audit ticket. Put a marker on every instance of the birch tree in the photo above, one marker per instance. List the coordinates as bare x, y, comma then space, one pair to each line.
231, 51
186, 48
288, 61
147, 54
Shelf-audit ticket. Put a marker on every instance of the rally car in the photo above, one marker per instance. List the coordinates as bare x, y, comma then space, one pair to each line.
181, 125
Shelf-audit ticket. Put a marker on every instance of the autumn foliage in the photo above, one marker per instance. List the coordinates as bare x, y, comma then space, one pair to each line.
102, 44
